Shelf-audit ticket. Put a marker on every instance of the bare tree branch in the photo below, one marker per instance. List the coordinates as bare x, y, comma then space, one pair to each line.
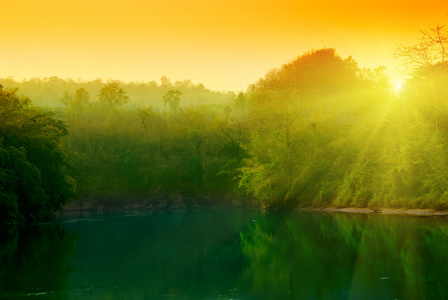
430, 50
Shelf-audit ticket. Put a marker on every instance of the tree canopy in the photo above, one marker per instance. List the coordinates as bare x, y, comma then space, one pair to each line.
34, 179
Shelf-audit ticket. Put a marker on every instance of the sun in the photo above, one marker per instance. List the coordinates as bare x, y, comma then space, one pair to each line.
397, 86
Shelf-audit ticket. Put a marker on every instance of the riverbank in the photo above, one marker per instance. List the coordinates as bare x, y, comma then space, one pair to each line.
384, 211
145, 203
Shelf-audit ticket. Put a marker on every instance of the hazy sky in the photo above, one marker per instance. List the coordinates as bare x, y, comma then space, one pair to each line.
225, 45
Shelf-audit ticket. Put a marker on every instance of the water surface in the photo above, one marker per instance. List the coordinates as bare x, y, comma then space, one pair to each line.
226, 254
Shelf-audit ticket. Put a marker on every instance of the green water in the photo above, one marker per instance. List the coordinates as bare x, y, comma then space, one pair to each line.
226, 254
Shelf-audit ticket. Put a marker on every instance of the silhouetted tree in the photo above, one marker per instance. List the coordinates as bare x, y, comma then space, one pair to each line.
172, 99
112, 94
431, 49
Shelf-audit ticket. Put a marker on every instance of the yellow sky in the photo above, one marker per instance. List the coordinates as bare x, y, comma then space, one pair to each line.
225, 45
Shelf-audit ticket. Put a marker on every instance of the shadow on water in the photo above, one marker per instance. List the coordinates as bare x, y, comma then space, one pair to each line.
223, 254
174, 254
34, 261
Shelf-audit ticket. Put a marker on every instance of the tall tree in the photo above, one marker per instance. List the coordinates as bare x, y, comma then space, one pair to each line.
172, 99
297, 111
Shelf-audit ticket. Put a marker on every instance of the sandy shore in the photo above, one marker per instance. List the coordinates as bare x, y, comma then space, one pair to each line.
389, 211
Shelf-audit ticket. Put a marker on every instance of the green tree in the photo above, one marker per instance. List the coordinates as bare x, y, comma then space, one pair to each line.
288, 106
304, 121
34, 180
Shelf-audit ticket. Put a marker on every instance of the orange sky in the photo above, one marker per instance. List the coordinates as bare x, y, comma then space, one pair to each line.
225, 45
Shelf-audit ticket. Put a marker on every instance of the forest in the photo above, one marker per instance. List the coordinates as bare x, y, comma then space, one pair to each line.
318, 131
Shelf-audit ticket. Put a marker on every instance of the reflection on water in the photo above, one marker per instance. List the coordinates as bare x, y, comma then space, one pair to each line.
343, 256
34, 261
224, 254
177, 255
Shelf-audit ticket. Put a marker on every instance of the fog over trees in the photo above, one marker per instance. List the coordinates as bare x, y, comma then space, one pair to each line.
318, 131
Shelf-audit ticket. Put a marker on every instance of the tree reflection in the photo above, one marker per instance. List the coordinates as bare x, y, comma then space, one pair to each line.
228, 254
319, 256
34, 260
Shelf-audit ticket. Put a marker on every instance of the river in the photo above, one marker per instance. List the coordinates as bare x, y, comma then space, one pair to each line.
226, 254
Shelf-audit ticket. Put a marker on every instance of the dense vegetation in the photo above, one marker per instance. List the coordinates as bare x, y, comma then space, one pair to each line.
120, 149
318, 131
325, 132
34, 181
